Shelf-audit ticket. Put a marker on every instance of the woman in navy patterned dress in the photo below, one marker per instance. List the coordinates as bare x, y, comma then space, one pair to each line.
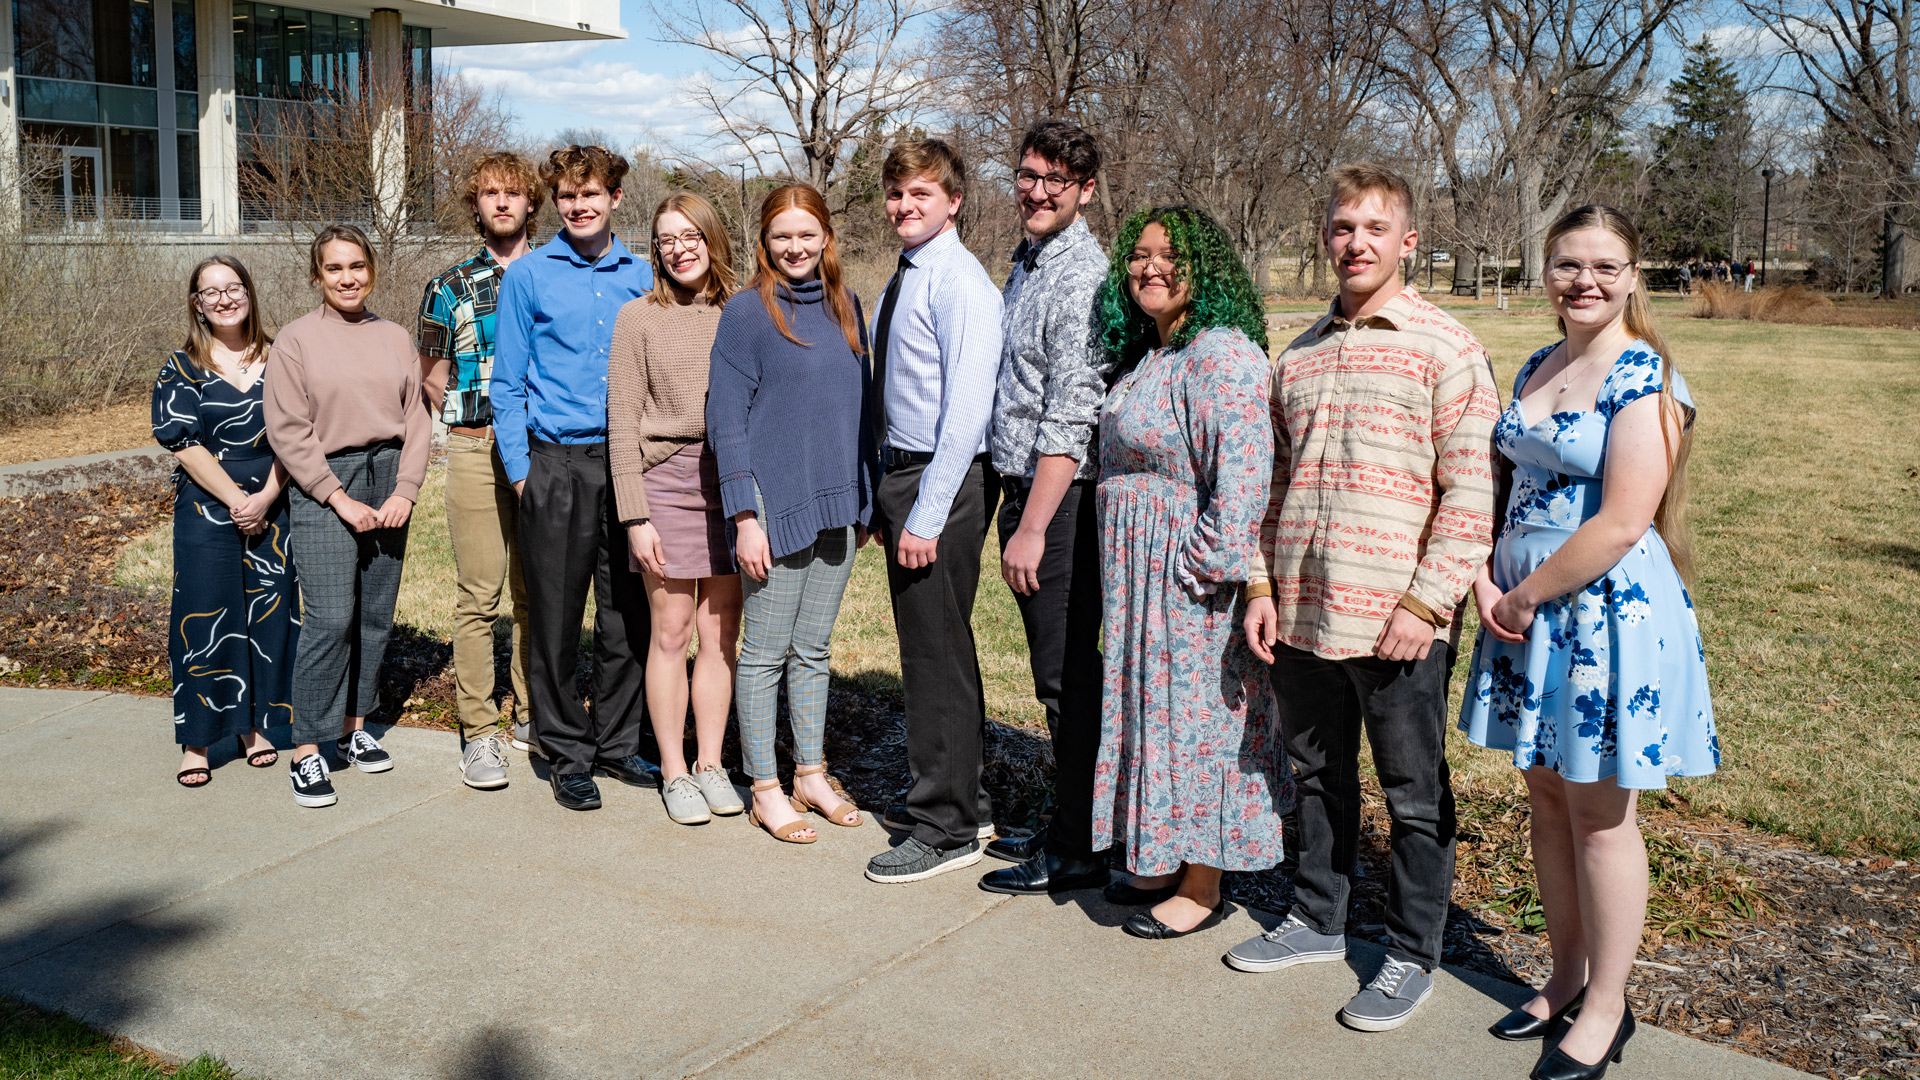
1589, 668
235, 607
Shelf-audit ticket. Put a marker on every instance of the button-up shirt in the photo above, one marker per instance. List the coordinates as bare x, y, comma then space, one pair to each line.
456, 324
1052, 366
1383, 480
555, 327
943, 353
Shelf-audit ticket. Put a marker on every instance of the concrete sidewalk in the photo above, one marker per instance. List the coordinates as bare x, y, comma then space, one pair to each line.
421, 929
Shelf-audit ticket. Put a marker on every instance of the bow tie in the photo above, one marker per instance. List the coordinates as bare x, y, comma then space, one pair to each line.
1027, 255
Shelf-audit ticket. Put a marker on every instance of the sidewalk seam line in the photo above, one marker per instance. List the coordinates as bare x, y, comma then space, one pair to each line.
98, 695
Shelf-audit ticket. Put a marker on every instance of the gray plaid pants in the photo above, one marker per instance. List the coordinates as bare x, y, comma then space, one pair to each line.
349, 583
786, 625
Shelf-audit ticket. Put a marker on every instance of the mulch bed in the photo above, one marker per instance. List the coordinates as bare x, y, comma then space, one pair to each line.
1806, 959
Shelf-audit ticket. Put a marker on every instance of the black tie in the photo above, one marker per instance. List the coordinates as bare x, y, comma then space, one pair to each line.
881, 326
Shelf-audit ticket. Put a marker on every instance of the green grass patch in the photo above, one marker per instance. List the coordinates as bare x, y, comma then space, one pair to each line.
36, 1044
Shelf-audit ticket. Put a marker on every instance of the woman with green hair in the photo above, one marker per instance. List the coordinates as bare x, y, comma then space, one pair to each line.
1192, 775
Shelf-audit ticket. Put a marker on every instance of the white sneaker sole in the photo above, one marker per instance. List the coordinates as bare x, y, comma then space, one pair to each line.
316, 801
701, 820
1359, 1023
1241, 963
527, 747
378, 766
959, 863
481, 785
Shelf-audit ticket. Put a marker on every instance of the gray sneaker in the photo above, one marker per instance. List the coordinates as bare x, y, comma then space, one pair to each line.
1292, 942
1389, 1000
685, 804
484, 764
717, 789
915, 861
523, 739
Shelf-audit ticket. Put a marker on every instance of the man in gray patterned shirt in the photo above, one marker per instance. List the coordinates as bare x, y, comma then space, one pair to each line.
1052, 380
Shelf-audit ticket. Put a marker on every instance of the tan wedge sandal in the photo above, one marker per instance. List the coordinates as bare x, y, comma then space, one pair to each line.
843, 814
790, 832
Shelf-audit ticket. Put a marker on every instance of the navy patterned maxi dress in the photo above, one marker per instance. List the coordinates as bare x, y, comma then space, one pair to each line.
235, 618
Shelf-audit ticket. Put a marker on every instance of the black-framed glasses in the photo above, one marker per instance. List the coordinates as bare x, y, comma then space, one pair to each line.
1054, 183
688, 240
210, 295
1605, 272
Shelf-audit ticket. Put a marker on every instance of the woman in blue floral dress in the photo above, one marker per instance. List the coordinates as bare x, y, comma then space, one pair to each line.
1191, 776
1589, 667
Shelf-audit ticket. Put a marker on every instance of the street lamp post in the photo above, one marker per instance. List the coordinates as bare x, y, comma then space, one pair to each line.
746, 242
1766, 210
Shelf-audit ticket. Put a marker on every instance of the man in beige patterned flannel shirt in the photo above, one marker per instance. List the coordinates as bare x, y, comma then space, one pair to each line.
1381, 514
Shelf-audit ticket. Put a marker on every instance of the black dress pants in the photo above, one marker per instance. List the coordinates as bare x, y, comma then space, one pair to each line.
1062, 622
571, 538
1403, 707
939, 671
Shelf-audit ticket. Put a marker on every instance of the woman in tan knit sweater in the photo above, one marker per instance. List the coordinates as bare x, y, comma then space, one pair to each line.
667, 487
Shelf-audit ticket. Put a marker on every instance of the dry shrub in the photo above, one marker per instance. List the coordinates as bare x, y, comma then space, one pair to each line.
1800, 304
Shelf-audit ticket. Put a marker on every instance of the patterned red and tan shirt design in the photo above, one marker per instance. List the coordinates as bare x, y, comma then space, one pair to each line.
1383, 482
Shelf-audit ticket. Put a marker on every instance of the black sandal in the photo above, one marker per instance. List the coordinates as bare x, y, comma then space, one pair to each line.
259, 759
181, 777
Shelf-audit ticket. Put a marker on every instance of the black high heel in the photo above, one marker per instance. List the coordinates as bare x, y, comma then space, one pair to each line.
1522, 1026
1558, 1066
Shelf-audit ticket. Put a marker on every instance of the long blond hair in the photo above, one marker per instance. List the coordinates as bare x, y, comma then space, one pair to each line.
696, 209
1671, 519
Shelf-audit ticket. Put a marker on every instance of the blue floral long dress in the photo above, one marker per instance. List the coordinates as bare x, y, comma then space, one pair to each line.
1612, 679
236, 604
1191, 765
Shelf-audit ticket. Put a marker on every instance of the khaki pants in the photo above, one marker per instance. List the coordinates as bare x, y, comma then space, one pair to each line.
482, 523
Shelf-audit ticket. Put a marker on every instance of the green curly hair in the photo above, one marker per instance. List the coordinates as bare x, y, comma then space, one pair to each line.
1220, 290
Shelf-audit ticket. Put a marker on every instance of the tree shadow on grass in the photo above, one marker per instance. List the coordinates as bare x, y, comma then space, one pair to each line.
1904, 556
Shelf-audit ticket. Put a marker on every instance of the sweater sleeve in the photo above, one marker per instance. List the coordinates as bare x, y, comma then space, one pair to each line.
290, 426
626, 401
733, 378
417, 424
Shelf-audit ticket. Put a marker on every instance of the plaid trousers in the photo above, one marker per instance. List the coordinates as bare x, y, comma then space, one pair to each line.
787, 625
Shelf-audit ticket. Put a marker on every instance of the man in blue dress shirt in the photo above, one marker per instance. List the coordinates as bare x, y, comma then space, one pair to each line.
936, 355
549, 392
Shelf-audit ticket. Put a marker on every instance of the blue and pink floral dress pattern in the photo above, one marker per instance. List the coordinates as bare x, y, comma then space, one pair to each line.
1191, 765
1612, 679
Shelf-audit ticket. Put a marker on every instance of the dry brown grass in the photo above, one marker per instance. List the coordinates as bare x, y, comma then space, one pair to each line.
1800, 304
127, 425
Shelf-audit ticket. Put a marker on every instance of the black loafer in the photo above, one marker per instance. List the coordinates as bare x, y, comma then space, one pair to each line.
1018, 848
1522, 1026
1123, 894
575, 791
634, 770
1045, 874
1144, 925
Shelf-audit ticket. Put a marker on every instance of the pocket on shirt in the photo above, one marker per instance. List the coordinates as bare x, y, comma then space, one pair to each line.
1392, 414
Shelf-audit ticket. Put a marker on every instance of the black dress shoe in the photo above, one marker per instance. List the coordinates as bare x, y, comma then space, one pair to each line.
1144, 925
1123, 894
1018, 848
575, 791
1044, 874
1522, 1026
634, 770
1558, 1066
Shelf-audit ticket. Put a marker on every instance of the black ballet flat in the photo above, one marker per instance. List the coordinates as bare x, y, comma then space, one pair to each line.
1124, 894
1558, 1066
1144, 925
1522, 1026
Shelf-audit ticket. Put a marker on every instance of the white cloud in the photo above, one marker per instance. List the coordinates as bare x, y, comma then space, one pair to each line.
566, 84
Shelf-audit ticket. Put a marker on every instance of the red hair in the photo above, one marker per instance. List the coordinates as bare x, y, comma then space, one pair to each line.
803, 197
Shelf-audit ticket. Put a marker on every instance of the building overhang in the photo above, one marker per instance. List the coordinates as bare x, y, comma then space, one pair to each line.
495, 22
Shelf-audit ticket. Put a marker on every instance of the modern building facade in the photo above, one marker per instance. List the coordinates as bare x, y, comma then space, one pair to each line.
150, 110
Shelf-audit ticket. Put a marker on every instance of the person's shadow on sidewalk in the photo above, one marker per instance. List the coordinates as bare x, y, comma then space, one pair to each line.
496, 1051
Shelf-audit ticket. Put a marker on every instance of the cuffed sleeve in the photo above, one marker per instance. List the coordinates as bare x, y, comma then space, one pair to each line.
1465, 407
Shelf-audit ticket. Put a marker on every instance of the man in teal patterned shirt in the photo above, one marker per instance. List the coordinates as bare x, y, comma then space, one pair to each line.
456, 358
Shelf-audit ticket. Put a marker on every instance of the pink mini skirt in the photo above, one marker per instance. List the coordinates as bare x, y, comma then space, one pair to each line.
683, 497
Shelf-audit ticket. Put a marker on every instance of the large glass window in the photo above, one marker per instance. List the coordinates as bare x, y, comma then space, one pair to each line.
107, 41
186, 55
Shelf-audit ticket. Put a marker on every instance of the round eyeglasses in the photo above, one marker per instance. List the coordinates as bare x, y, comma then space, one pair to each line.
687, 240
235, 291
1605, 272
1053, 183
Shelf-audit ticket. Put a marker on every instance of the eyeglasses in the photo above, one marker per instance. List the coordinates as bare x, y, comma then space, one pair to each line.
1141, 263
688, 240
1055, 183
235, 291
1605, 272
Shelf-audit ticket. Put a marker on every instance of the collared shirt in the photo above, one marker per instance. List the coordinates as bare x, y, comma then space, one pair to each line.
1053, 369
554, 330
456, 324
1383, 481
943, 353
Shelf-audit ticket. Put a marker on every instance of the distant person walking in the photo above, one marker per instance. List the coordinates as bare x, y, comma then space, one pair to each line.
1686, 280
457, 334
235, 619
666, 486
345, 415
787, 417
1589, 668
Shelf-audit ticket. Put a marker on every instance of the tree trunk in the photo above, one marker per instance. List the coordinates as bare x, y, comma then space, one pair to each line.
1319, 273
1479, 276
1531, 175
1893, 257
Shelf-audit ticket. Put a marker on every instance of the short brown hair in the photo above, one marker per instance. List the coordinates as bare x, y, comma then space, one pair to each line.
578, 165
513, 169
352, 235
922, 157
713, 232
1356, 180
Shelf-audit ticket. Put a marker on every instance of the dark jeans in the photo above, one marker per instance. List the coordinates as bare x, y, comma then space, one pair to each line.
939, 671
1062, 621
1323, 704
570, 537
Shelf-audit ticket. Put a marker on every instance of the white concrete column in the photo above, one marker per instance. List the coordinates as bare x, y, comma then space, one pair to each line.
219, 141
387, 58
10, 177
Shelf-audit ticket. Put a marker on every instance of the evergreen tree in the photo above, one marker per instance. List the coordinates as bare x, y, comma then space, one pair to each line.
1700, 161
